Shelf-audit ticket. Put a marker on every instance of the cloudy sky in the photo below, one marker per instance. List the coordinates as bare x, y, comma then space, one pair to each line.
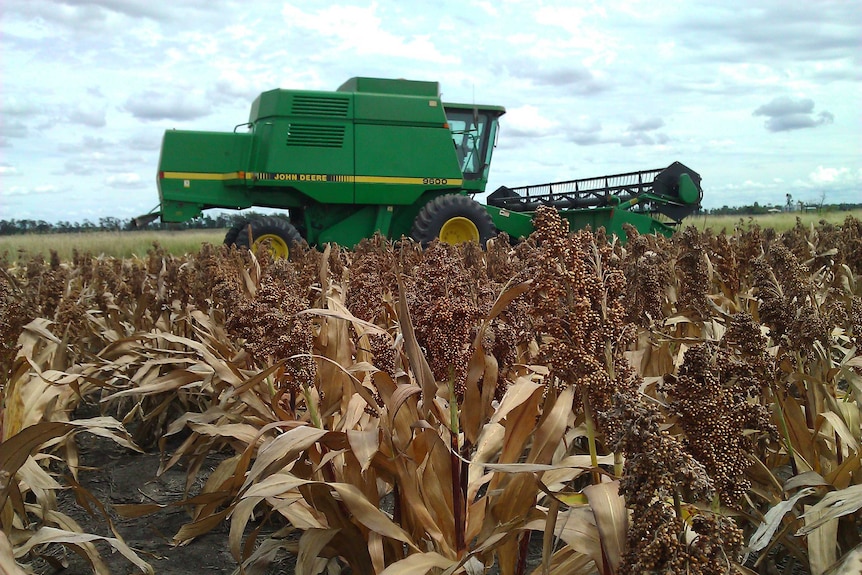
762, 97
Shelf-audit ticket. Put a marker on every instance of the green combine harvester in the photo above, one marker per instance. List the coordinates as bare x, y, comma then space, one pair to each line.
387, 156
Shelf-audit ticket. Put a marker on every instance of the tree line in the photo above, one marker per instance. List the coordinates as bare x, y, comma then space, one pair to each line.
110, 224
797, 207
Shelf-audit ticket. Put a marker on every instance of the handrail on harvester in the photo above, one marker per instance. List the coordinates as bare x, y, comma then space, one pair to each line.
674, 191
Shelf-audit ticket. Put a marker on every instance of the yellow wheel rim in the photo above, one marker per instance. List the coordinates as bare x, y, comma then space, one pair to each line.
458, 231
276, 246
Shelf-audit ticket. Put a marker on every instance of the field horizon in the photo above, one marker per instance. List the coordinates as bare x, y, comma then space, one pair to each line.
136, 243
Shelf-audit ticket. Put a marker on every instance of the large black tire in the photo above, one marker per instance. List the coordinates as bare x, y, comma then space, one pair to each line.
282, 237
444, 210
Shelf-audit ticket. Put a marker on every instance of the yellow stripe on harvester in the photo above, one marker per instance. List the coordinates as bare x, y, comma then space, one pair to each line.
408, 181
325, 178
202, 176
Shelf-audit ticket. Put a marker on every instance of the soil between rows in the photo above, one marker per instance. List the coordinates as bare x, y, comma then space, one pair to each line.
117, 476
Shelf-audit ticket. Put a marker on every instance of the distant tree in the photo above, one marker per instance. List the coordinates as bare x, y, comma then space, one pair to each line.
110, 224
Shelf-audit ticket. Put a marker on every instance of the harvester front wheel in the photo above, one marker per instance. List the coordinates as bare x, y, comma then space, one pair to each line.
455, 219
274, 234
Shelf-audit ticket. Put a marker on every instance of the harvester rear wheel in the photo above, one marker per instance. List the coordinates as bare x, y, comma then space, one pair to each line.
455, 219
275, 234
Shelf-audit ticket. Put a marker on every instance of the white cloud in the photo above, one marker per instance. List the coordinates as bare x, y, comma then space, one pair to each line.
584, 131
93, 116
14, 105
360, 30
145, 141
569, 17
586, 38
178, 104
126, 180
785, 113
13, 128
646, 125
750, 74
823, 175
203, 45
488, 8
527, 121
29, 190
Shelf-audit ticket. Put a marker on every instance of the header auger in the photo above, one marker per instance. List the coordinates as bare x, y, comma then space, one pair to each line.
387, 156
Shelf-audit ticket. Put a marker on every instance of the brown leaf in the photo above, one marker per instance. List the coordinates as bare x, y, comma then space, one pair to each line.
402, 393
15, 450
520, 391
46, 535
133, 510
284, 447
822, 541
567, 561
833, 505
418, 362
471, 419
8, 565
483, 366
419, 564
772, 520
239, 518
311, 544
341, 312
244, 432
168, 382
365, 445
807, 479
837, 423
551, 427
849, 564
200, 527
369, 515
801, 437
609, 508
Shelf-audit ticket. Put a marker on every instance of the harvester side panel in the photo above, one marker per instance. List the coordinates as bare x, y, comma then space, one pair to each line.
202, 169
614, 220
304, 144
281, 103
396, 165
403, 147
390, 86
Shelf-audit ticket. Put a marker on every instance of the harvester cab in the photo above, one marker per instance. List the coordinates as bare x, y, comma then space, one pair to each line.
474, 134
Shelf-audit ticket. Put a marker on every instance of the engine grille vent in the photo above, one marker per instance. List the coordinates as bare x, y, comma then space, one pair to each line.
315, 135
320, 106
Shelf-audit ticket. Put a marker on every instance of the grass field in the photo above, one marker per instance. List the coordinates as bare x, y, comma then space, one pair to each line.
137, 243
116, 244
779, 222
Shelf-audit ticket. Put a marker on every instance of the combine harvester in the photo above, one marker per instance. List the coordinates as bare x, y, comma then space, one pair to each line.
388, 156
